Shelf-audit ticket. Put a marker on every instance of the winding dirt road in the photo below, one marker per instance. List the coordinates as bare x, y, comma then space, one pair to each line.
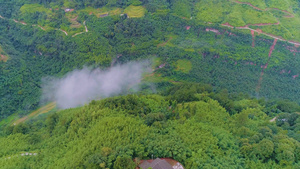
86, 30
65, 32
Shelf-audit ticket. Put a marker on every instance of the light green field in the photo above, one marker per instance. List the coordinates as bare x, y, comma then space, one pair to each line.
101, 11
183, 65
135, 11
32, 8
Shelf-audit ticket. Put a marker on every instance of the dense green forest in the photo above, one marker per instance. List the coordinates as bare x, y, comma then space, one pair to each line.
188, 122
219, 77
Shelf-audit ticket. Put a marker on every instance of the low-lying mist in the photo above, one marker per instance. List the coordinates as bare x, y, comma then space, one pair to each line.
79, 87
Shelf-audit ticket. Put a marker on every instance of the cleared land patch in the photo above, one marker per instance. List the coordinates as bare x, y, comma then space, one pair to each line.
102, 12
32, 8
39, 111
135, 11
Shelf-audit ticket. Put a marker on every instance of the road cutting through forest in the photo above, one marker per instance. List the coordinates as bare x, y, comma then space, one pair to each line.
65, 32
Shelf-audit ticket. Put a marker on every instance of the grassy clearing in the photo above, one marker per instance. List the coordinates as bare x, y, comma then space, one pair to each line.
184, 65
156, 78
101, 11
39, 111
32, 8
116, 11
135, 11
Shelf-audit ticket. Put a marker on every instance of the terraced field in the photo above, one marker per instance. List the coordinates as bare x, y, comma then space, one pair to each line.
273, 17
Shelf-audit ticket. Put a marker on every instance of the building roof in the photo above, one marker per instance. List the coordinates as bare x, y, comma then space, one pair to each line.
156, 164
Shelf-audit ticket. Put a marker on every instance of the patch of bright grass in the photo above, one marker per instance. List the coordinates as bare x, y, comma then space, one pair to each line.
184, 65
135, 11
101, 11
32, 8
116, 11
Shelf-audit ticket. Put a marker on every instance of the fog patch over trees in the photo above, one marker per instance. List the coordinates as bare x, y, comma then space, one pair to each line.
79, 87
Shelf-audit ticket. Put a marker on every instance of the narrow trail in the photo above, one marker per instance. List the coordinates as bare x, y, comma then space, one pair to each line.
40, 27
86, 30
65, 32
265, 66
272, 120
19, 22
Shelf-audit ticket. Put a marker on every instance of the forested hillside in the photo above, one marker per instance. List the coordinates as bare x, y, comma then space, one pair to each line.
246, 53
42, 38
188, 123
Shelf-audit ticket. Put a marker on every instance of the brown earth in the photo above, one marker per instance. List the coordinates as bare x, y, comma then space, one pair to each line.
3, 58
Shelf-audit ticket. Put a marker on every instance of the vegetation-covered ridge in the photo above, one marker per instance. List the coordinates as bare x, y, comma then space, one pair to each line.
189, 123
